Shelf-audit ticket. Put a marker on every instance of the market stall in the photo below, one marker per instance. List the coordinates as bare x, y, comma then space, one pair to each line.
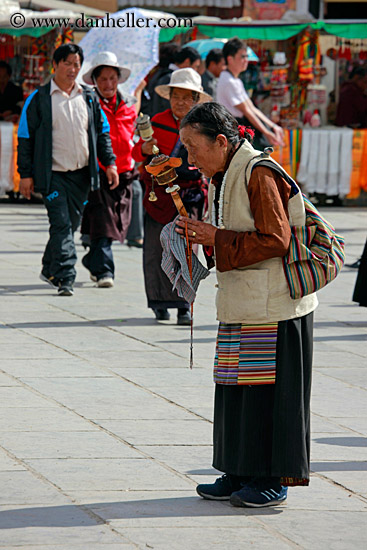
296, 83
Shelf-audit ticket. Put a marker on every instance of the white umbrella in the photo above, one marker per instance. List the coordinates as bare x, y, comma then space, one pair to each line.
135, 48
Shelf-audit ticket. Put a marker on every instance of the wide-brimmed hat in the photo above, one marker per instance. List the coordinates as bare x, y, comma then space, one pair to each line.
108, 59
187, 79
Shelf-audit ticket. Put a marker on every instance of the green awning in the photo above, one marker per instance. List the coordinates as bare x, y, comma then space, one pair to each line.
34, 32
166, 35
281, 32
255, 32
347, 30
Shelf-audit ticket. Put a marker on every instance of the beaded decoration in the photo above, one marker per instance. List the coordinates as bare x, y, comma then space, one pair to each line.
220, 205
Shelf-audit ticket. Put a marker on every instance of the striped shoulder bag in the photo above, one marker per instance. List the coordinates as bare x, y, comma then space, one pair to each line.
315, 256
316, 253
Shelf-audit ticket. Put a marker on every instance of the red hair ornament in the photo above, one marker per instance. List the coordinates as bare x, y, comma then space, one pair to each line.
243, 130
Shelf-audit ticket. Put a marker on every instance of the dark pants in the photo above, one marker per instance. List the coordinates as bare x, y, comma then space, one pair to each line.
64, 203
158, 287
135, 231
99, 260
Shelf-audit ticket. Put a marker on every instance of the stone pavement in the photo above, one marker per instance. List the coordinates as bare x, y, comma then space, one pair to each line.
105, 432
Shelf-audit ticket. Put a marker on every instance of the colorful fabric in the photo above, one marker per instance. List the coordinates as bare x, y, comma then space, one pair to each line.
358, 163
245, 354
294, 481
316, 254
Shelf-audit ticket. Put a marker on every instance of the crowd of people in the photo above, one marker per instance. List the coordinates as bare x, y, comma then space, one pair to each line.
87, 137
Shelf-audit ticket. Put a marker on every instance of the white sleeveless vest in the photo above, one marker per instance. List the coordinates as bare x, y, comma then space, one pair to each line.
258, 293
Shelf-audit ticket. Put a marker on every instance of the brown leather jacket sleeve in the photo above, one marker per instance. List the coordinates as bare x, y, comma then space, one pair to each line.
269, 194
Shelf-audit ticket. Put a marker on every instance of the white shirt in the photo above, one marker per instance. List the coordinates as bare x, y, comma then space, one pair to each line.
70, 148
231, 92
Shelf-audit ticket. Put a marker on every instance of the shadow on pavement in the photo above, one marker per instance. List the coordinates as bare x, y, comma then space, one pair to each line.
353, 337
132, 322
73, 516
343, 441
333, 324
347, 466
20, 251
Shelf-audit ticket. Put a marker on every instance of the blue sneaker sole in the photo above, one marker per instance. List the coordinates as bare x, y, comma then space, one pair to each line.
211, 497
237, 501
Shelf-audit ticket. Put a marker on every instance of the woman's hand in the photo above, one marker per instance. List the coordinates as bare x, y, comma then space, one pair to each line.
273, 139
199, 232
279, 132
147, 147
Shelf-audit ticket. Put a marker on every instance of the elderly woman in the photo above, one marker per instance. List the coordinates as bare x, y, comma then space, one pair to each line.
107, 214
183, 92
262, 367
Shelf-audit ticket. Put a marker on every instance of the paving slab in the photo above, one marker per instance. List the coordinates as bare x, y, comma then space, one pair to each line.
108, 474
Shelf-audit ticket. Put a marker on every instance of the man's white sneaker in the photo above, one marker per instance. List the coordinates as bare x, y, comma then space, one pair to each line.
105, 282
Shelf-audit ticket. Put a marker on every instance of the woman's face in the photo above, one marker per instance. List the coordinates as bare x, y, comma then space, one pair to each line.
181, 102
207, 156
107, 82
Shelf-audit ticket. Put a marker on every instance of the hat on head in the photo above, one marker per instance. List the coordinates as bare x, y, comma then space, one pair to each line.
186, 79
107, 59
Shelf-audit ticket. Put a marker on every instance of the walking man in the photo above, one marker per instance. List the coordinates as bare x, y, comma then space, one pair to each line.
62, 134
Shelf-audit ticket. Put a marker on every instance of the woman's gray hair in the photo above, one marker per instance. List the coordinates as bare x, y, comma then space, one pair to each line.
212, 119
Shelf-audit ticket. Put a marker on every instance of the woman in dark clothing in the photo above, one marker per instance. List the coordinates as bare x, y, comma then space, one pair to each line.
262, 366
360, 289
183, 91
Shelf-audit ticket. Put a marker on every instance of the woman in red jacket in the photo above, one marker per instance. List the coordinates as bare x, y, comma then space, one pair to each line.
107, 214
183, 92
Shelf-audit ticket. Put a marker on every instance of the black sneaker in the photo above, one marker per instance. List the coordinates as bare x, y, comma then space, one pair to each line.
85, 263
65, 288
221, 489
161, 314
49, 280
354, 265
183, 317
259, 495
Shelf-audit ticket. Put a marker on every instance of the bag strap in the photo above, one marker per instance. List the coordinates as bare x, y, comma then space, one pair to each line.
281, 172
165, 127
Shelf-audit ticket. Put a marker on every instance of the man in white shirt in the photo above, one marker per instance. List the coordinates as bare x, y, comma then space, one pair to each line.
61, 136
232, 94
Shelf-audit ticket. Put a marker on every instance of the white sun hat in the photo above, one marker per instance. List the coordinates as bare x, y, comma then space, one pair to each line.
108, 59
187, 79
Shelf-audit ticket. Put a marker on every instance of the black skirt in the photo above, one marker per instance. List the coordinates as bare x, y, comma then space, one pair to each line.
264, 431
108, 211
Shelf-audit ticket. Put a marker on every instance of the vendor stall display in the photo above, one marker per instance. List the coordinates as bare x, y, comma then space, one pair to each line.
30, 60
296, 84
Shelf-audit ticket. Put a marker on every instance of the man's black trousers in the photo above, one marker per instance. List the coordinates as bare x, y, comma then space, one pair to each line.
64, 202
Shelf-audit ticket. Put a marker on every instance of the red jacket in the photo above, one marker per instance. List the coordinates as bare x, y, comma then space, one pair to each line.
163, 210
122, 127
